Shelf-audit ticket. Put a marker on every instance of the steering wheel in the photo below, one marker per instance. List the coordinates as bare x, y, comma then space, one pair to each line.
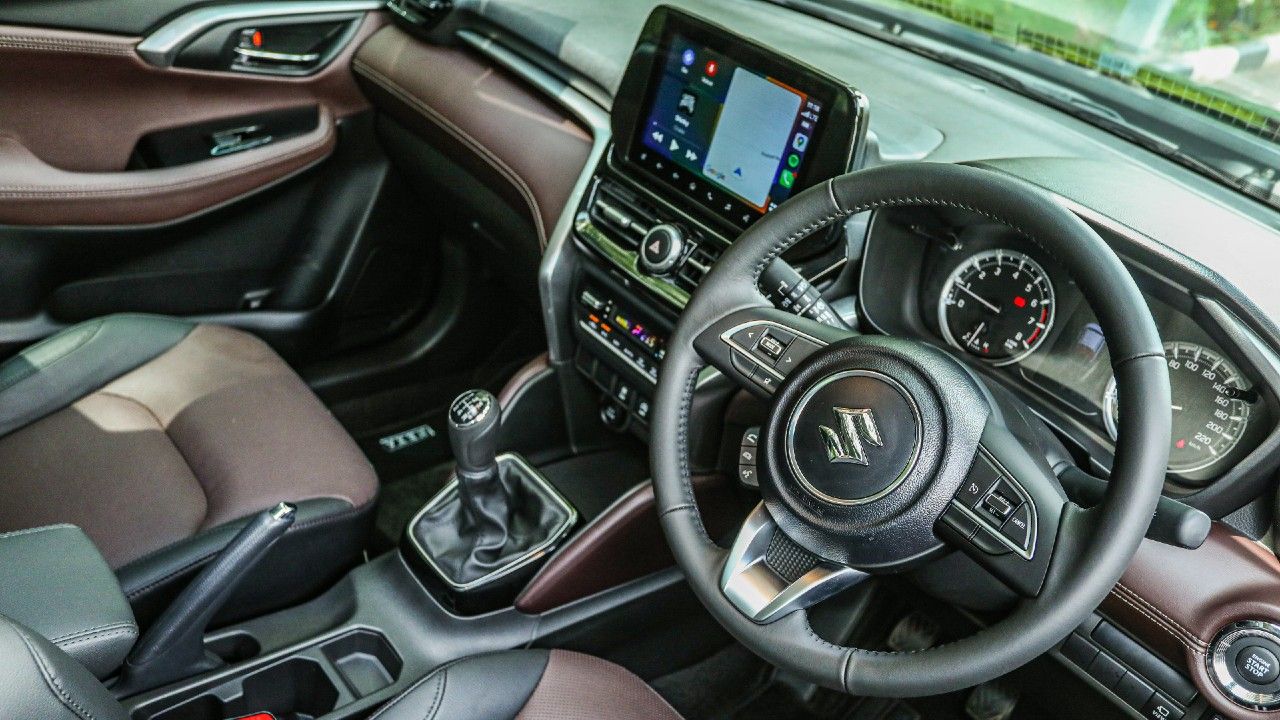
881, 454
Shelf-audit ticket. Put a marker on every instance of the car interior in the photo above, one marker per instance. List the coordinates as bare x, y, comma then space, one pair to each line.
619, 359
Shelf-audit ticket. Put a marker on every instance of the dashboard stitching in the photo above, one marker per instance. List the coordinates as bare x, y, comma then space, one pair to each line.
1143, 608
481, 151
1190, 635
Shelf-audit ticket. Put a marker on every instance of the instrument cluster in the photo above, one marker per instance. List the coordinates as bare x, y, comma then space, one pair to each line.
994, 298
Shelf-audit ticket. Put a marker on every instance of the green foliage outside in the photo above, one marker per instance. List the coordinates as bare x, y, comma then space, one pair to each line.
1134, 41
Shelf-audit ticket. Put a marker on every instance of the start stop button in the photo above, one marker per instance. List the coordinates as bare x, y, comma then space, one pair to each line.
1257, 665
1244, 661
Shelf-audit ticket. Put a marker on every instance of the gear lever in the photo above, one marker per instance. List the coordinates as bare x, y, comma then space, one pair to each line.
498, 516
474, 419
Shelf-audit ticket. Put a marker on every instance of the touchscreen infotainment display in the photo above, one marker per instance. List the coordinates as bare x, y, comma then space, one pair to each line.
729, 125
733, 125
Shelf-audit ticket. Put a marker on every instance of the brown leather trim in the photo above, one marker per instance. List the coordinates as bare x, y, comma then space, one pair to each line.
525, 375
35, 193
510, 136
624, 543
1176, 601
80, 101
575, 686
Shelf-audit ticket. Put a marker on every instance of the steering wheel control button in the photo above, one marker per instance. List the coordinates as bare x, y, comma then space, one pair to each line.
959, 522
747, 456
771, 346
987, 542
853, 437
1018, 527
661, 248
1258, 665
796, 352
982, 476
742, 364
747, 337
765, 378
999, 505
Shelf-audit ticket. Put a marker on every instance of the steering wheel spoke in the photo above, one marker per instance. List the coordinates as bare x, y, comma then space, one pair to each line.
1007, 511
767, 575
759, 347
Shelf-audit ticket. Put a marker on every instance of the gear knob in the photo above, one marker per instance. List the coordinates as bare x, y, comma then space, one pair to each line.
474, 418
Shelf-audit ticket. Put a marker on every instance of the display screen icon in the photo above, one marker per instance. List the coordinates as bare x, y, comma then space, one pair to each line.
787, 179
688, 103
801, 142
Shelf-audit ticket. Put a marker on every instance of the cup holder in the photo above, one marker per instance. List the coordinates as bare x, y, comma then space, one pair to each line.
296, 689
365, 660
312, 682
235, 647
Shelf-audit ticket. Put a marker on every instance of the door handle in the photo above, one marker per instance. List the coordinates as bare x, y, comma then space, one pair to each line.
288, 49
234, 140
254, 55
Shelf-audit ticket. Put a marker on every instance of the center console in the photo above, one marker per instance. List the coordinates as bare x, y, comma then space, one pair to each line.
711, 132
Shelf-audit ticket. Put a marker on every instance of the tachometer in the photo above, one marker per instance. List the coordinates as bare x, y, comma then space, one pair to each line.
1210, 406
998, 305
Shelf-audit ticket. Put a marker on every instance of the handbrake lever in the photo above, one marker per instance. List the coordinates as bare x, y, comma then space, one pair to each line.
173, 648
1174, 523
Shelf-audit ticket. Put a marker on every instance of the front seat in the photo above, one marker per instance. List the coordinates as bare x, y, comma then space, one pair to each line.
158, 436
529, 685
40, 681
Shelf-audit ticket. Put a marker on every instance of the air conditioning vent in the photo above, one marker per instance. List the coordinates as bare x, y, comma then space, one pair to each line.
623, 216
693, 269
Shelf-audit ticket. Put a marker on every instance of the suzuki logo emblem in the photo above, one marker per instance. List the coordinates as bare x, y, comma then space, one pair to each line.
853, 427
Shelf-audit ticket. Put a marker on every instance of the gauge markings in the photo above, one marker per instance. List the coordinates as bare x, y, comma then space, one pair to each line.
1211, 410
998, 305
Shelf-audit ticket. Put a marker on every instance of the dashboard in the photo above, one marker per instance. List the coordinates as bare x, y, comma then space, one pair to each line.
648, 221
712, 130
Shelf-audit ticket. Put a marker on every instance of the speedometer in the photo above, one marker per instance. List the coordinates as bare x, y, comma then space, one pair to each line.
997, 305
1210, 406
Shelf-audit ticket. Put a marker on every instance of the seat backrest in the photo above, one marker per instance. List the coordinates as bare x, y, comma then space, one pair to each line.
37, 680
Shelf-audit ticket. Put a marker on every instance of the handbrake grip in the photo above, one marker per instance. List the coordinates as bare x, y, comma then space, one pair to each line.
173, 648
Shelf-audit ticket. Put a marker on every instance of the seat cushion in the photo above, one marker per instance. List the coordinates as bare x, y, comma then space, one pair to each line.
529, 685
175, 431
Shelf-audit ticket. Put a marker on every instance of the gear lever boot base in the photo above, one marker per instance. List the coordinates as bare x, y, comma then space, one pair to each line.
479, 542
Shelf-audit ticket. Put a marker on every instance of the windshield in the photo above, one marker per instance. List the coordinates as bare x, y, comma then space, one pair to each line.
1217, 59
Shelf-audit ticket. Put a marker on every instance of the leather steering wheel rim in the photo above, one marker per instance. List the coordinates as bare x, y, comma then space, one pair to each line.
1092, 547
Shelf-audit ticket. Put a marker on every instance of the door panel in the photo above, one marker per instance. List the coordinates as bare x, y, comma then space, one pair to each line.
82, 101
113, 197
33, 192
